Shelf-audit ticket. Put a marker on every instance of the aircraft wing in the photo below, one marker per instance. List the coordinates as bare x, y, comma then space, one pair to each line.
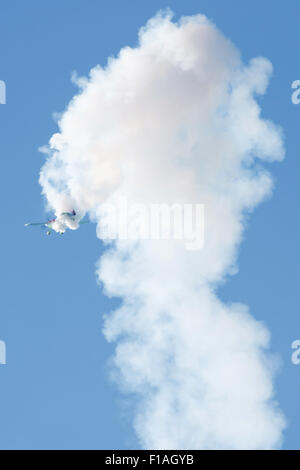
38, 223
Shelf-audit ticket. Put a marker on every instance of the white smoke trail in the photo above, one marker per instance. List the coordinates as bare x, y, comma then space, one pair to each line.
175, 120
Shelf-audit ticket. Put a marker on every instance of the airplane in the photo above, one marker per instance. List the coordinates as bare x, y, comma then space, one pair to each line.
49, 223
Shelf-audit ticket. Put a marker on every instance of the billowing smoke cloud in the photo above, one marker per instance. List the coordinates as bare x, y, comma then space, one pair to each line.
175, 120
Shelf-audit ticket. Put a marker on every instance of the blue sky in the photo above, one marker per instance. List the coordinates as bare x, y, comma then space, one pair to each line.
55, 390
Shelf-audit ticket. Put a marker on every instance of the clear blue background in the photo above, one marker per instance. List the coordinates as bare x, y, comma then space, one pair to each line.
55, 390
